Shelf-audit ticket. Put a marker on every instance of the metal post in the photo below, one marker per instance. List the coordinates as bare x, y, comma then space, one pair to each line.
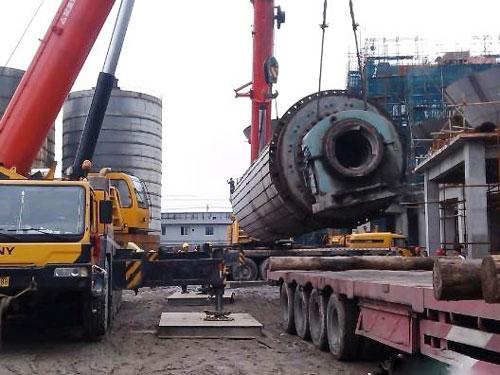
219, 299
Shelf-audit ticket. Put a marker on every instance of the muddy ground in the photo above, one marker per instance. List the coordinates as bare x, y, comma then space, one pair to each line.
132, 347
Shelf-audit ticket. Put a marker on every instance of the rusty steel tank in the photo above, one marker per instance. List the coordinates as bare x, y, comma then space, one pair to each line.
331, 163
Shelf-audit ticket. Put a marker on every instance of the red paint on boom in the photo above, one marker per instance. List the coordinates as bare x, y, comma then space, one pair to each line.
263, 43
48, 80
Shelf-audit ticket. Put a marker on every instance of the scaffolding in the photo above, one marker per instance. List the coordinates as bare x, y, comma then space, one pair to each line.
410, 86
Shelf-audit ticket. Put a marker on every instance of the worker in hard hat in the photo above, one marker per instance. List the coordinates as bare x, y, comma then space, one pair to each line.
185, 247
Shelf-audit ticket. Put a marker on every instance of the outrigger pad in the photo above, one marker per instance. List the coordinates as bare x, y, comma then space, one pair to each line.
194, 325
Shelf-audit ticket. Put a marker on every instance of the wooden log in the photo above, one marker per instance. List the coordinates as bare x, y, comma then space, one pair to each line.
344, 263
490, 278
456, 279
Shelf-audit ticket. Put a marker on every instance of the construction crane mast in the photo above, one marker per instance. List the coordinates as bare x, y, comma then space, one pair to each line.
265, 72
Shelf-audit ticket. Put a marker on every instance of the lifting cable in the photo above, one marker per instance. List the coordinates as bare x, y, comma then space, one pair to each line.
358, 55
22, 36
323, 27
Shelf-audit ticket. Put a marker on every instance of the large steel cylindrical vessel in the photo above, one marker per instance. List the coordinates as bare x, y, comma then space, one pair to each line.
332, 162
9, 80
130, 140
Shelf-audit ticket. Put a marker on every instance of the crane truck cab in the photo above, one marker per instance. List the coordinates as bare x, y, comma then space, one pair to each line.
56, 243
131, 210
134, 201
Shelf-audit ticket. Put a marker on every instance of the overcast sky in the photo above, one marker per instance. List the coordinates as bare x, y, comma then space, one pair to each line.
193, 53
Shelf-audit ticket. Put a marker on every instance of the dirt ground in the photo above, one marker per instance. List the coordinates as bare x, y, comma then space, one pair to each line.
133, 348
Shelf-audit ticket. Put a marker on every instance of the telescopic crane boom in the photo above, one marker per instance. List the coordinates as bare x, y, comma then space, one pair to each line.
102, 93
48, 80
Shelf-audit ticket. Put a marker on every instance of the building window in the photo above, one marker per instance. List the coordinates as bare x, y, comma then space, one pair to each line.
164, 229
209, 231
184, 231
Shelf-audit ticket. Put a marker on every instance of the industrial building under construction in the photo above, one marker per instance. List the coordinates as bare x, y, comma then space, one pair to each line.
432, 102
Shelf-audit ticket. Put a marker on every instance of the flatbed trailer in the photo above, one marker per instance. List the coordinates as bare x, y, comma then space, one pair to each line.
395, 308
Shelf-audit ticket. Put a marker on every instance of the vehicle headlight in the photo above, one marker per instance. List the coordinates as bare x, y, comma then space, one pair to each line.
71, 272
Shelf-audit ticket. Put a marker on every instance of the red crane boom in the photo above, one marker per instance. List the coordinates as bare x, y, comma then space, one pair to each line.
263, 43
48, 80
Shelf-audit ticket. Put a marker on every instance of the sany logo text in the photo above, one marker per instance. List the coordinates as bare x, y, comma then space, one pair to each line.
6, 250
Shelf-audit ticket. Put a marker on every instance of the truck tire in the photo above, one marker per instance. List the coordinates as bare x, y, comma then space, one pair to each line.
317, 319
286, 302
97, 310
301, 312
264, 268
95, 320
247, 271
341, 318
115, 298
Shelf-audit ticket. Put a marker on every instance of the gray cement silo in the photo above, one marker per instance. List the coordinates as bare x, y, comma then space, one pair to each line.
130, 139
9, 79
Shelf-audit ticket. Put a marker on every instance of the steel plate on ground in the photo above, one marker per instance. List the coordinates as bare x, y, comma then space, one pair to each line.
193, 325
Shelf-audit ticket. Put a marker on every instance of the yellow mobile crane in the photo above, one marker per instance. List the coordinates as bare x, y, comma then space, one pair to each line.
69, 239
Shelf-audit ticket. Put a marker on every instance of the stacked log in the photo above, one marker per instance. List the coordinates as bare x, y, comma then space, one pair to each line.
456, 279
345, 263
453, 278
490, 278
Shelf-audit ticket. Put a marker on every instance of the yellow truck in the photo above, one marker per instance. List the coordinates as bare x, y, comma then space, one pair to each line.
396, 243
80, 240
60, 243
57, 237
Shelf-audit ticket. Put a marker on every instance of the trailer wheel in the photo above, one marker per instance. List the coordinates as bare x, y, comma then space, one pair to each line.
341, 317
317, 319
286, 302
247, 271
301, 312
264, 268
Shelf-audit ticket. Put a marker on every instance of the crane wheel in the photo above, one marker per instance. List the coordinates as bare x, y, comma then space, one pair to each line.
247, 271
286, 301
115, 299
94, 318
317, 319
341, 318
301, 312
264, 268
97, 311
